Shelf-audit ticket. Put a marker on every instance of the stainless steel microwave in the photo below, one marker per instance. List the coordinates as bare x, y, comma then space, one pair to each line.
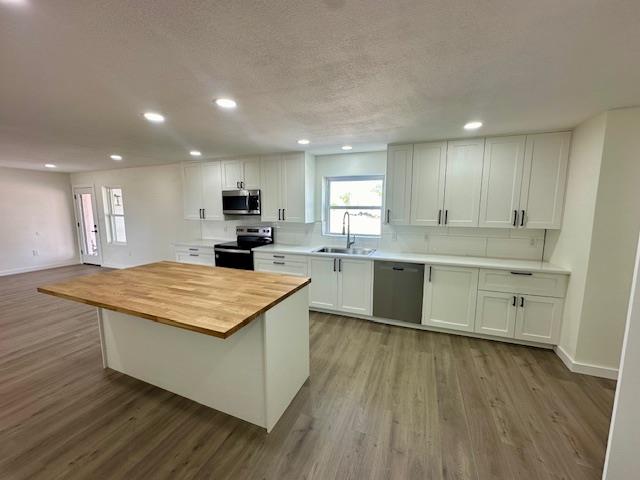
241, 202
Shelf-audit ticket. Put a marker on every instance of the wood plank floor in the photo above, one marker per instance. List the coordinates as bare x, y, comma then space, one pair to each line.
382, 403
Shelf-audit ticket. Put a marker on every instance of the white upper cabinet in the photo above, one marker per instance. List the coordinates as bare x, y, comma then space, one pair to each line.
428, 181
271, 176
202, 191
450, 297
544, 179
463, 182
398, 195
192, 190
241, 173
287, 187
212, 191
501, 181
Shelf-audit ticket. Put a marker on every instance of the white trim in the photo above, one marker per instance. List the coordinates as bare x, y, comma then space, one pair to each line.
35, 268
585, 368
113, 265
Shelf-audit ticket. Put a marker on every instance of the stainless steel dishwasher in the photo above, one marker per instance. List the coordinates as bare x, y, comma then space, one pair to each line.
397, 291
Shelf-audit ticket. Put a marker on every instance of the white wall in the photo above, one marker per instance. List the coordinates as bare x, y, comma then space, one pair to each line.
36, 213
622, 460
597, 240
153, 212
570, 247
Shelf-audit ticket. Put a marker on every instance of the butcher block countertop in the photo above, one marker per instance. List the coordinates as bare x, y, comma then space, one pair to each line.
211, 300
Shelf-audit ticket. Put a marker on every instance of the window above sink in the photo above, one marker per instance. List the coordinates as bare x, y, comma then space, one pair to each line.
361, 196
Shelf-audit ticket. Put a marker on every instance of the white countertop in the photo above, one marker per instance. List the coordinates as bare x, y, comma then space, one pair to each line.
451, 260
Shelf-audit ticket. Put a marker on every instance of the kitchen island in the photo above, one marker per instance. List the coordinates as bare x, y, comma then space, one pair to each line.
234, 340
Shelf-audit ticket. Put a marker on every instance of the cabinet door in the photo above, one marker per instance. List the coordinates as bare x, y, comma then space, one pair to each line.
427, 187
398, 196
232, 174
251, 174
323, 289
543, 182
501, 181
450, 298
355, 284
538, 319
496, 313
463, 182
293, 188
192, 190
212, 191
271, 188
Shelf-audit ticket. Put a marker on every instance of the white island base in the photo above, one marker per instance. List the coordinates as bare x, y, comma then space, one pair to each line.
253, 374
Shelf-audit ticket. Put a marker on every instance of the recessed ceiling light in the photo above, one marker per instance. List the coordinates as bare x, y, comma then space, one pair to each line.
347, 147
195, 153
116, 157
226, 103
472, 125
49, 165
154, 117
304, 141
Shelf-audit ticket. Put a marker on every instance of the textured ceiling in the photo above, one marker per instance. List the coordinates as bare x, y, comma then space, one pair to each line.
75, 75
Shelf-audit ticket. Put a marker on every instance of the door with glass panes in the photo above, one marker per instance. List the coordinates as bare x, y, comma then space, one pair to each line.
84, 200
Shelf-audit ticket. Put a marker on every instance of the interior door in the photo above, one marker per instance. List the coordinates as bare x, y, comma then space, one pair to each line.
427, 189
463, 182
450, 298
87, 225
501, 181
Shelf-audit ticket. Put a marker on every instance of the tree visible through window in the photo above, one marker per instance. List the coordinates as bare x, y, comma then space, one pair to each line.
114, 213
361, 196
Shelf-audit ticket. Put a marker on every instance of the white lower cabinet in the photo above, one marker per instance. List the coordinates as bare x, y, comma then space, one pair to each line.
450, 297
323, 290
496, 313
195, 258
341, 284
538, 319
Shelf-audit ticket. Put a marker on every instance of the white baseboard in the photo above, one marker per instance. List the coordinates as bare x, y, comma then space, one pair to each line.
585, 368
35, 268
112, 265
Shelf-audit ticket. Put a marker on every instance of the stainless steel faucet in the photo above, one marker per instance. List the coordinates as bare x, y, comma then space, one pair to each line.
349, 242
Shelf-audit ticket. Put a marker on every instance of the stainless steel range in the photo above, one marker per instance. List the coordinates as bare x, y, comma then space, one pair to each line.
238, 254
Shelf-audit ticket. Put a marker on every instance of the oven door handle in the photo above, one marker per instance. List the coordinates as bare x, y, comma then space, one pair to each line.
232, 250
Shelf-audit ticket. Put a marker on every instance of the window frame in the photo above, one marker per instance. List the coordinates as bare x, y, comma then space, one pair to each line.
110, 216
326, 200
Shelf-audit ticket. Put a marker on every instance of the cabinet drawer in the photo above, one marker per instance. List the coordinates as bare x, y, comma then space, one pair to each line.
186, 250
525, 283
281, 266
195, 258
279, 257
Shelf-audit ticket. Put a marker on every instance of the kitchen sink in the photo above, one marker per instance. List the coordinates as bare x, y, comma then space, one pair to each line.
346, 251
